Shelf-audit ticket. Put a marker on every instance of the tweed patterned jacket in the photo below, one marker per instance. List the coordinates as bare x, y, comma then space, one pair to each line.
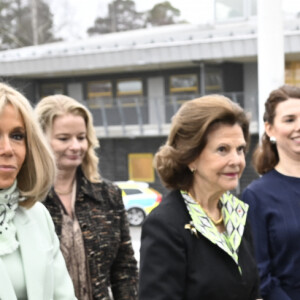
100, 212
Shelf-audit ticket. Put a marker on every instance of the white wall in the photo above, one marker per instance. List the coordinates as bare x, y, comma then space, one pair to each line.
156, 96
251, 90
75, 91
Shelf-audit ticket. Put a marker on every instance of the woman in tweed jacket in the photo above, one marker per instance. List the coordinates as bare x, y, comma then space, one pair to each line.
87, 211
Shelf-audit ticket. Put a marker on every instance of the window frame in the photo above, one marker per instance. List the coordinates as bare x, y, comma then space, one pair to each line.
106, 97
53, 86
180, 92
125, 96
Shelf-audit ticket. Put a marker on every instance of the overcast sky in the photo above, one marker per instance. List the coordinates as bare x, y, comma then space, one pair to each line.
80, 14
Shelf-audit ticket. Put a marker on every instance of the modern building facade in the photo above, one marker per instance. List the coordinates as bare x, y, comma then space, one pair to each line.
133, 82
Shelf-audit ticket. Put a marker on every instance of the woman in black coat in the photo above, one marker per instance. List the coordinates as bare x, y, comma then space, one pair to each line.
197, 243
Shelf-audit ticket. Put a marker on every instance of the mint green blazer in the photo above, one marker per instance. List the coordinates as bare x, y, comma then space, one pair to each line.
45, 270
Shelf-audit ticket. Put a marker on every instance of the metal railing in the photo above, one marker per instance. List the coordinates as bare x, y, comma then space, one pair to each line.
143, 116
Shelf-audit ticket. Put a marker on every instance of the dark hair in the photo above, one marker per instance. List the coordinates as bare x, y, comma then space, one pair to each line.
265, 157
188, 136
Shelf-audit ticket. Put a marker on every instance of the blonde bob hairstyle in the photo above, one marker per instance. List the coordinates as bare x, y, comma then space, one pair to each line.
190, 128
38, 171
54, 106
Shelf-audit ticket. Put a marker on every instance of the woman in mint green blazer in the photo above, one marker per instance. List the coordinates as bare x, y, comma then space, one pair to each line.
31, 264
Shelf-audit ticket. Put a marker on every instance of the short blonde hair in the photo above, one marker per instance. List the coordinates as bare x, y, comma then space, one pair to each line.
38, 171
51, 107
190, 128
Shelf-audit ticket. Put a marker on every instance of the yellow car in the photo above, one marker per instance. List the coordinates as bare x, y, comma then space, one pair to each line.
139, 199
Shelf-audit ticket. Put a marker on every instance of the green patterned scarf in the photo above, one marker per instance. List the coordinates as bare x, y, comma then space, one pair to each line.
234, 213
9, 200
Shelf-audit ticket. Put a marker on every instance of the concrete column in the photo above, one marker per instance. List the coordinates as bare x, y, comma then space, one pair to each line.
75, 91
270, 43
157, 102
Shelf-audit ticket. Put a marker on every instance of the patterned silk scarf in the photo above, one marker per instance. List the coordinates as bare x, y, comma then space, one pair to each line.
234, 214
9, 199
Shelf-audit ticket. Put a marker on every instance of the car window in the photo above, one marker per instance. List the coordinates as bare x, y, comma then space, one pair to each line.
132, 191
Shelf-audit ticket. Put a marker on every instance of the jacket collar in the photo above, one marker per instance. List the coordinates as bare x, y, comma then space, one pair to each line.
84, 188
234, 213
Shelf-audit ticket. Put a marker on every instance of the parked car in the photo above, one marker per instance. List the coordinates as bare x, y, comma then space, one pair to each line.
139, 199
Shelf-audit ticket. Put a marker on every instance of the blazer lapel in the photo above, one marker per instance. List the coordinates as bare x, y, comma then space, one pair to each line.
28, 236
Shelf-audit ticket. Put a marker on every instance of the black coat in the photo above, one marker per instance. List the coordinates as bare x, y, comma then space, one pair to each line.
175, 264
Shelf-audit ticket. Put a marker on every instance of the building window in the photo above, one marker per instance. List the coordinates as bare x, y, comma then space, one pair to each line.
226, 10
253, 8
99, 93
292, 73
183, 87
213, 80
48, 89
130, 92
183, 83
140, 167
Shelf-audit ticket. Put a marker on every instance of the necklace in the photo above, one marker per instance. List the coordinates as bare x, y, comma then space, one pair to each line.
63, 193
215, 222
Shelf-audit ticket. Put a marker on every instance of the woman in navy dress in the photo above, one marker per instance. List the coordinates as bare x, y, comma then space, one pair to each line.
274, 198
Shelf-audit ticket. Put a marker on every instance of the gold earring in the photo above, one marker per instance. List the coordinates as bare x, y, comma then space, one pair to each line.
193, 170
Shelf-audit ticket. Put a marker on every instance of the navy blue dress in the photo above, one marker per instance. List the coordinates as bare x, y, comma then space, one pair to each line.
274, 215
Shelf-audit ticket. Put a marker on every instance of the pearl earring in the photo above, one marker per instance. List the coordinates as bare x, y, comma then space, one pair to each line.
273, 140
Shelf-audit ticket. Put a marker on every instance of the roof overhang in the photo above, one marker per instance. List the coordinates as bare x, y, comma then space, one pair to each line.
138, 58
115, 53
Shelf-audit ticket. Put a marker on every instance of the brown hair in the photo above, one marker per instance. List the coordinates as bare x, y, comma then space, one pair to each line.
188, 136
265, 157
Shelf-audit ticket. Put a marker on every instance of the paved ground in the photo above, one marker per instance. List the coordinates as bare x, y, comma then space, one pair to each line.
135, 233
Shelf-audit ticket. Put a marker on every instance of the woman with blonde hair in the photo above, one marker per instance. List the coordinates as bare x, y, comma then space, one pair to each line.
31, 264
197, 243
87, 210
